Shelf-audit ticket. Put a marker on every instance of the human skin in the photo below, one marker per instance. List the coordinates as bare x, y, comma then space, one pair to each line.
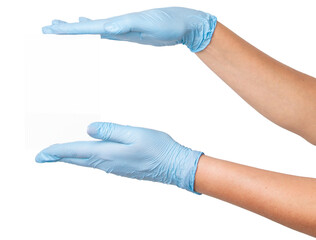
286, 97
286, 199
283, 95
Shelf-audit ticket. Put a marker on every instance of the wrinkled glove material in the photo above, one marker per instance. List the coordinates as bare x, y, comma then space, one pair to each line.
133, 152
157, 27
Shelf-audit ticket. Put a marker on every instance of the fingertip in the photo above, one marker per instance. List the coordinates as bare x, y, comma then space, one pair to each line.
93, 129
43, 157
47, 30
38, 158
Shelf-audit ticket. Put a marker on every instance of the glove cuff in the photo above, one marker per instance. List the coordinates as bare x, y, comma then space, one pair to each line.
191, 177
203, 32
186, 170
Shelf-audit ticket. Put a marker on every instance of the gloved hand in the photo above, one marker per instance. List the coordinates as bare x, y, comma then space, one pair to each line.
158, 27
131, 152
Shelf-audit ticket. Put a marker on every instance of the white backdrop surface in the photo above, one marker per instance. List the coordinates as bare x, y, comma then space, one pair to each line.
52, 87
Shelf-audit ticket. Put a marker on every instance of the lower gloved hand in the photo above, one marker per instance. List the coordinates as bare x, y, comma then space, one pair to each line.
158, 27
130, 152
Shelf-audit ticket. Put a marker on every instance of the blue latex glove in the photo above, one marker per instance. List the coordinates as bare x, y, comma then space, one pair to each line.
158, 27
130, 152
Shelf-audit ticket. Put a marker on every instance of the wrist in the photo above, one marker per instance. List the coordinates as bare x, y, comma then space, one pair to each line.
199, 175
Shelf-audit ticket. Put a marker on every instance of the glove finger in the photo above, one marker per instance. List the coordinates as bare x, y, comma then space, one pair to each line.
87, 162
111, 132
82, 149
138, 37
56, 22
76, 161
97, 154
57, 151
136, 22
85, 27
105, 159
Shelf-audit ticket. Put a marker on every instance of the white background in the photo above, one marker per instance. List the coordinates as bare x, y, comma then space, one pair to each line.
52, 87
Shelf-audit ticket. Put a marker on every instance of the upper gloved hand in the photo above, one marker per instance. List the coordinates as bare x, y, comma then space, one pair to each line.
131, 152
158, 27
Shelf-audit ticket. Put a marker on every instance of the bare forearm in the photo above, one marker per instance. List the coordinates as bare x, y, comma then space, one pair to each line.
282, 94
286, 199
